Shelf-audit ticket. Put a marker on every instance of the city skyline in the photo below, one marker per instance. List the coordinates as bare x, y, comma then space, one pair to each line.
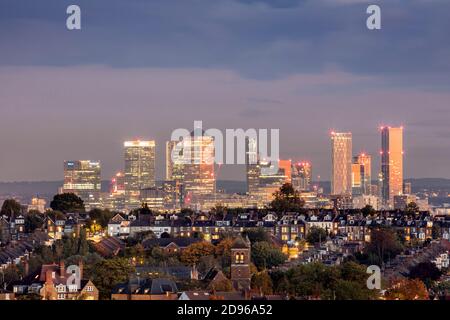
161, 164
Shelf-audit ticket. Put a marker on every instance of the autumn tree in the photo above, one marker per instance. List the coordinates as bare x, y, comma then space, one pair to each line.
223, 285
408, 289
262, 282
192, 254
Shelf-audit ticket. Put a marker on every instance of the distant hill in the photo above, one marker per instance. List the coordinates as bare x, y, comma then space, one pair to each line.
47, 189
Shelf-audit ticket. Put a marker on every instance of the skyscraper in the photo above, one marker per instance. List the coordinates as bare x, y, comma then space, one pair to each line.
391, 163
356, 179
302, 176
361, 174
174, 170
83, 178
341, 175
253, 168
285, 168
198, 168
139, 169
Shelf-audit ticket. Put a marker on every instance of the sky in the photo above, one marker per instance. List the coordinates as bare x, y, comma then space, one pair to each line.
140, 69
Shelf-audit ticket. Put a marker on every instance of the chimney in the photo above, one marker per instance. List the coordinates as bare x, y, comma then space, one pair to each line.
62, 269
194, 273
81, 267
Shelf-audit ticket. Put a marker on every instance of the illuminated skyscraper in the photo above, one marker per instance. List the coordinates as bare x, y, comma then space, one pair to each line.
356, 179
341, 176
139, 169
174, 171
252, 165
391, 163
361, 174
115, 200
285, 168
83, 178
302, 176
198, 168
118, 184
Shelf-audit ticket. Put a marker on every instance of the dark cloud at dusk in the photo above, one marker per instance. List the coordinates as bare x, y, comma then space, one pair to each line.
143, 68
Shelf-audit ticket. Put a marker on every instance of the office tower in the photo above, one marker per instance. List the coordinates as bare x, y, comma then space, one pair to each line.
139, 169
341, 175
391, 163
162, 198
356, 179
115, 199
37, 204
174, 169
407, 188
117, 186
361, 174
83, 178
285, 168
302, 176
253, 168
198, 168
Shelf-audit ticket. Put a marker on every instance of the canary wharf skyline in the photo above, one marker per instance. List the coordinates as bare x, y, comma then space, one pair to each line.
140, 69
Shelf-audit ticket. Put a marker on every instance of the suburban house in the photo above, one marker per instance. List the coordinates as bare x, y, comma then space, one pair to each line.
55, 282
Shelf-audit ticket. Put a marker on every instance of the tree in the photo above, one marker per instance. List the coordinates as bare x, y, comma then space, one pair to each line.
427, 272
101, 217
436, 231
316, 235
384, 245
262, 282
344, 282
368, 211
109, 273
412, 208
11, 207
33, 221
223, 252
256, 235
192, 254
219, 212
67, 202
287, 199
265, 256
223, 285
408, 290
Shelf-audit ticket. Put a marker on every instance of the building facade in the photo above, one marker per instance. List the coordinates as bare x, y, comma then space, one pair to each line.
83, 178
302, 176
139, 169
341, 154
391, 163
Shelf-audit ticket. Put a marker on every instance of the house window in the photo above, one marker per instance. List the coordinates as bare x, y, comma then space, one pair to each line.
89, 288
61, 296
